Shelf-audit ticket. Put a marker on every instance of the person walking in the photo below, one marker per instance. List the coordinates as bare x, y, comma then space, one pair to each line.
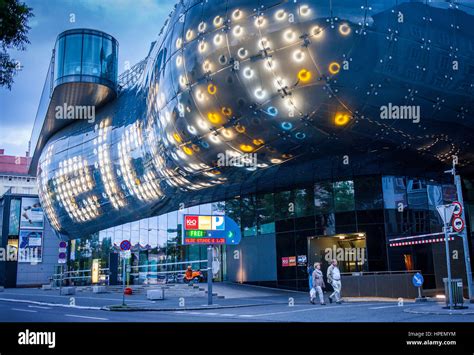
318, 283
310, 281
334, 279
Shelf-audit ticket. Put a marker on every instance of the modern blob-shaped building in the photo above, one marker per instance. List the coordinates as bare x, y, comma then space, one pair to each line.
243, 97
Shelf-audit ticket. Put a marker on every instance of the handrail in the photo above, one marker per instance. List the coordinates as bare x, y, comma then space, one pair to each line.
379, 272
166, 264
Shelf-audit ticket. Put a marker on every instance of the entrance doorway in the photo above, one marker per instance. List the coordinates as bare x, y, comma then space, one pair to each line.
349, 249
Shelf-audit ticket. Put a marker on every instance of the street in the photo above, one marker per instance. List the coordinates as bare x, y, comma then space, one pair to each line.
346, 312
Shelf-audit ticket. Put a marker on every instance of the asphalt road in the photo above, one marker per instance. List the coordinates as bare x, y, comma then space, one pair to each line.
346, 312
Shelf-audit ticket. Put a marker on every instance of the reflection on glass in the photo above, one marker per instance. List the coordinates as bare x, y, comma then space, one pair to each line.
416, 192
72, 55
304, 202
344, 196
323, 198
394, 192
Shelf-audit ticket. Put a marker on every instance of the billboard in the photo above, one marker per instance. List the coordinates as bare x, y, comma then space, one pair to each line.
30, 246
32, 216
206, 229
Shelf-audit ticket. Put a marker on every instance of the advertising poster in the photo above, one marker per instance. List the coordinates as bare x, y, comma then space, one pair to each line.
30, 248
32, 216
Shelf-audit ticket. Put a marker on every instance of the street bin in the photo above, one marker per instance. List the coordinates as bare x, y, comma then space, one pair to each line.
457, 292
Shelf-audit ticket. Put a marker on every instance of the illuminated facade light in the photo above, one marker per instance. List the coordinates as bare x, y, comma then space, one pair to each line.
298, 55
305, 10
341, 119
344, 29
280, 15
237, 14
304, 75
334, 68
218, 21
212, 89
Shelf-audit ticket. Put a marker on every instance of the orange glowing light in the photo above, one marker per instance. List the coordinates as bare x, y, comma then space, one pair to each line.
258, 141
304, 75
334, 68
341, 119
211, 89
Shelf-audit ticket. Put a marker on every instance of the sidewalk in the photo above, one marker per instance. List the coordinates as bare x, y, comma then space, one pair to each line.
226, 295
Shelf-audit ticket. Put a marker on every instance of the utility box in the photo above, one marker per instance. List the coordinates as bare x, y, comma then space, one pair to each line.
157, 294
456, 290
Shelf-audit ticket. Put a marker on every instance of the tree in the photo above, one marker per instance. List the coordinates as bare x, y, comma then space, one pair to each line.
13, 30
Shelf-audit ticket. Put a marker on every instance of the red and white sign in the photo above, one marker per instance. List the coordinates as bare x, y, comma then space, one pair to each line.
458, 224
284, 261
292, 261
191, 222
457, 209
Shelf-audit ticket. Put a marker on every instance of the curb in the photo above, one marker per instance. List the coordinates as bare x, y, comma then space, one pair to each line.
50, 304
442, 313
176, 309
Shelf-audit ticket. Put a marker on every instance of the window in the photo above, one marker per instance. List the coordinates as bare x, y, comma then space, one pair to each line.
304, 201
368, 193
394, 192
323, 198
72, 55
344, 196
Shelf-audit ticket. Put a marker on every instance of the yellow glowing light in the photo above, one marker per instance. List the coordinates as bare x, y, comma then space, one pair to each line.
341, 119
214, 118
177, 137
334, 68
344, 29
212, 89
239, 128
304, 75
246, 148
226, 111
258, 141
187, 150
218, 21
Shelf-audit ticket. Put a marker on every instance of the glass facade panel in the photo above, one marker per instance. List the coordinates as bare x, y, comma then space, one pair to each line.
59, 58
344, 196
304, 202
323, 198
284, 205
394, 192
417, 194
92, 55
265, 214
368, 193
72, 55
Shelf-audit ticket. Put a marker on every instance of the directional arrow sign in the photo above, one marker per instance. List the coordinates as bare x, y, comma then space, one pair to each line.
446, 212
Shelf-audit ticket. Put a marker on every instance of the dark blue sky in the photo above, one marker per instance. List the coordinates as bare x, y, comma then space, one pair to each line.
134, 23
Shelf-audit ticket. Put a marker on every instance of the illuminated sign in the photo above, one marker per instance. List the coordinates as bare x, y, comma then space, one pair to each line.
205, 229
95, 270
204, 223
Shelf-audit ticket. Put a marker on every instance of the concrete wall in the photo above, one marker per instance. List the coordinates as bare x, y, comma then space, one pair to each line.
38, 274
257, 260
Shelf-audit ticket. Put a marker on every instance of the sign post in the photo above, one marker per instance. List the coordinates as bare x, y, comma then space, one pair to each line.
209, 275
446, 213
125, 247
417, 281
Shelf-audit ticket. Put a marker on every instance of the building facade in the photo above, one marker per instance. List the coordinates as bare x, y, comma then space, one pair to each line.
322, 128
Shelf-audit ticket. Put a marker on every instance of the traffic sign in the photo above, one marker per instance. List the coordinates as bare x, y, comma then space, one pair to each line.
446, 212
125, 245
457, 209
458, 224
417, 280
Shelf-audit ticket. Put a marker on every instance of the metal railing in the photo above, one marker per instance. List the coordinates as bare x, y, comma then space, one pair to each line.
58, 280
